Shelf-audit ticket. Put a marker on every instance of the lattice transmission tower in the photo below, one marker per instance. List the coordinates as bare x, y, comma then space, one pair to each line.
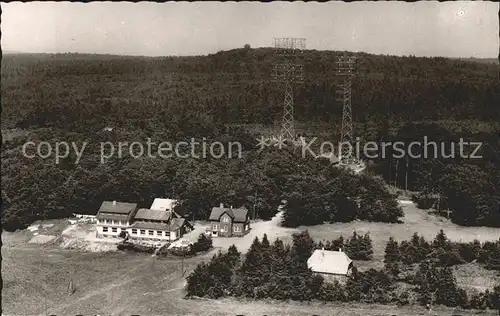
345, 70
288, 70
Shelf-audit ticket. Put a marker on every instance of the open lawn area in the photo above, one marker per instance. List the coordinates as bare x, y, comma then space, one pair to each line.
36, 280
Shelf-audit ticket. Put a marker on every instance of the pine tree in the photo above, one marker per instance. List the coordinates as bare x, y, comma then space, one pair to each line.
234, 255
359, 247
441, 241
303, 246
424, 295
392, 257
199, 281
337, 244
265, 243
494, 298
320, 245
250, 273
447, 293
493, 259
353, 286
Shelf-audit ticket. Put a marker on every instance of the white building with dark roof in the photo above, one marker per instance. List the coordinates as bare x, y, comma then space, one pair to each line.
114, 217
145, 224
332, 265
158, 225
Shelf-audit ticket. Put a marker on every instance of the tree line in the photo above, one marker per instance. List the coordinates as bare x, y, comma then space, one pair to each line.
280, 271
441, 251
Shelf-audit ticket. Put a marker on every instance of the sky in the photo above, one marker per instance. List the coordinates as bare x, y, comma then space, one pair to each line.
425, 28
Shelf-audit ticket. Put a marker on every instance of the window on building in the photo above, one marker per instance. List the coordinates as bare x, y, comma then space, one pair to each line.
216, 227
105, 229
167, 234
159, 233
225, 219
237, 228
151, 232
134, 231
143, 232
114, 230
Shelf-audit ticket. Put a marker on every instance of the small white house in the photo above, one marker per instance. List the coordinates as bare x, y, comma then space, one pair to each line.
332, 265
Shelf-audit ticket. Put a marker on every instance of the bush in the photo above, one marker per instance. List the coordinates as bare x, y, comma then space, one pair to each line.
479, 301
203, 243
135, 247
404, 298
469, 251
333, 292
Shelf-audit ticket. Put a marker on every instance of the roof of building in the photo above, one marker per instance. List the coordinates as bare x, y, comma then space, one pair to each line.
114, 217
237, 214
163, 204
116, 210
152, 215
175, 224
332, 262
117, 207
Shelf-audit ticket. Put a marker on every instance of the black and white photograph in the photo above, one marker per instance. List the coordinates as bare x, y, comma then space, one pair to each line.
250, 158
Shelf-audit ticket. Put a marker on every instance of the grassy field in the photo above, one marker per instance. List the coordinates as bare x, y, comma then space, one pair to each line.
36, 277
36, 280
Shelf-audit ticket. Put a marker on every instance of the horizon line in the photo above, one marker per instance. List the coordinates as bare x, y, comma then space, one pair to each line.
14, 52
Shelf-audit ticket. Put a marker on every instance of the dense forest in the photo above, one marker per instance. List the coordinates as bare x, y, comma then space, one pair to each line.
228, 97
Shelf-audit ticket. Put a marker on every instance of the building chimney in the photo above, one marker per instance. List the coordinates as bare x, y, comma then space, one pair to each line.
323, 248
114, 202
222, 205
340, 249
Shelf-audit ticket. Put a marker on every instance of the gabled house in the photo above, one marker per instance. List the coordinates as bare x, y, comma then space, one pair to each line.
114, 217
229, 221
332, 265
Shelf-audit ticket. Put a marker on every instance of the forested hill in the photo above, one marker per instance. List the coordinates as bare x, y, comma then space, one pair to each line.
228, 96
234, 87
